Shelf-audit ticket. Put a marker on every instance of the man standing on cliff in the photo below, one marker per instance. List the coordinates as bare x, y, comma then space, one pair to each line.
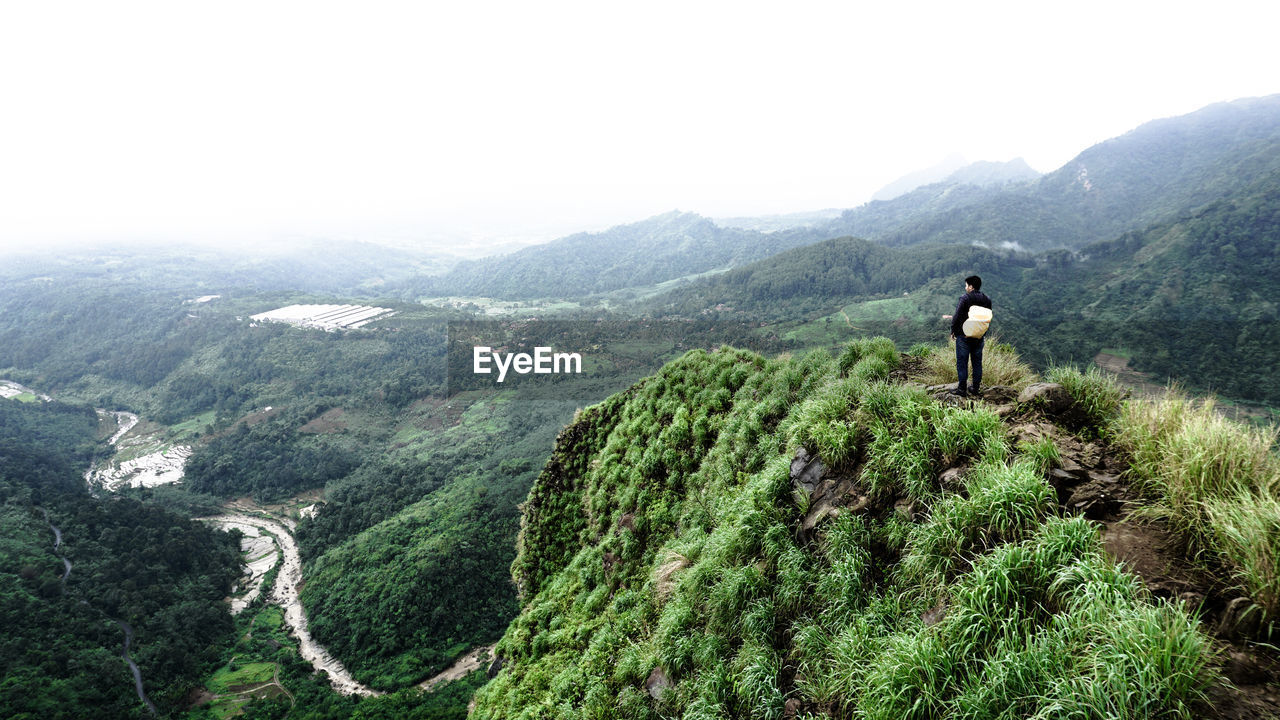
967, 347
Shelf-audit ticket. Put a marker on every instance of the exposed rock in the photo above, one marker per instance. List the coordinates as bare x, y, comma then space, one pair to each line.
1100, 496
834, 497
1073, 468
806, 470
1031, 432
791, 708
496, 666
658, 683
999, 395
628, 521
1192, 601
951, 478
1052, 397
935, 615
828, 493
906, 508
1003, 411
1240, 621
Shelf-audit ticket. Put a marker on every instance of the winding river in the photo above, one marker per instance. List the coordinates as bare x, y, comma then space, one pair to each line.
285, 594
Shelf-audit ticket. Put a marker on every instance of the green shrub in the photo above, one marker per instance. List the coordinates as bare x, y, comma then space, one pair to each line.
1095, 395
863, 349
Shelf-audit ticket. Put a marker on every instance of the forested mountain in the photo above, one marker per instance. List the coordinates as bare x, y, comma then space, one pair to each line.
1191, 298
954, 172
985, 172
1194, 299
1159, 171
818, 277
651, 251
1155, 172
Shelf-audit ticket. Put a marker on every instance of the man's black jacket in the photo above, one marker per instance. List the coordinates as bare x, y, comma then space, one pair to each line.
967, 301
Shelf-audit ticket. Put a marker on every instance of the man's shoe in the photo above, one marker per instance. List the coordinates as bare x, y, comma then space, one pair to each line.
958, 393
975, 391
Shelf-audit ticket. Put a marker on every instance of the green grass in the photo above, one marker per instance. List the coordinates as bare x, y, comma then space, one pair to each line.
712, 582
227, 679
1094, 393
1216, 481
1042, 453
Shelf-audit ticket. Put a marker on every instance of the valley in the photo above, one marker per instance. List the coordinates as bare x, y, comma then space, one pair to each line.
284, 593
293, 497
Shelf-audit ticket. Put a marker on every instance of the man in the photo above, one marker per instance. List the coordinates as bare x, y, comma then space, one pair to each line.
968, 348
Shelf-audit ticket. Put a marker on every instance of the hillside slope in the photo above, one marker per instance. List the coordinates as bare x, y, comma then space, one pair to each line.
651, 251
823, 537
1191, 298
1159, 170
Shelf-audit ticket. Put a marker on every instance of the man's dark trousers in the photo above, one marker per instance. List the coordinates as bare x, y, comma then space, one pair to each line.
966, 348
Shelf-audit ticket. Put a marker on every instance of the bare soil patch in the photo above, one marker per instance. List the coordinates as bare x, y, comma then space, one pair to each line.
330, 421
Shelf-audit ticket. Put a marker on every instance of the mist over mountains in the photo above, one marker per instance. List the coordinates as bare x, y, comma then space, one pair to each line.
1157, 172
416, 504
954, 171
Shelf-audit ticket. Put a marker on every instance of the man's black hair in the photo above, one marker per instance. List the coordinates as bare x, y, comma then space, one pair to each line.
975, 281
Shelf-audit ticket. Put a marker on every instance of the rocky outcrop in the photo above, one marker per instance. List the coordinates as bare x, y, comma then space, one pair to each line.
657, 683
1048, 396
828, 493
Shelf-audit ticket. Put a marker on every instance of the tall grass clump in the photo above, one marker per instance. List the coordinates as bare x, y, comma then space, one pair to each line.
1001, 504
1000, 365
1215, 480
912, 437
1095, 395
1042, 453
825, 421
1043, 628
876, 352
1246, 528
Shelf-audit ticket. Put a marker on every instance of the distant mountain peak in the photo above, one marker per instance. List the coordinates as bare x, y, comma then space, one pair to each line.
926, 176
983, 173
955, 171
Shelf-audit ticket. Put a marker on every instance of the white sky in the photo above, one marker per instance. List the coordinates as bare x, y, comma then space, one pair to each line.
394, 121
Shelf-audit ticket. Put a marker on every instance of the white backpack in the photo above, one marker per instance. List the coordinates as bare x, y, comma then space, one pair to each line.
978, 322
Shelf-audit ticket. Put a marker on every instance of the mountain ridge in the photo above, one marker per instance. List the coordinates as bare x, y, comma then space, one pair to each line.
738, 536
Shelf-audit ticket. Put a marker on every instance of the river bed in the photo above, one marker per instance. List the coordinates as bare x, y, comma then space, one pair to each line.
285, 594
